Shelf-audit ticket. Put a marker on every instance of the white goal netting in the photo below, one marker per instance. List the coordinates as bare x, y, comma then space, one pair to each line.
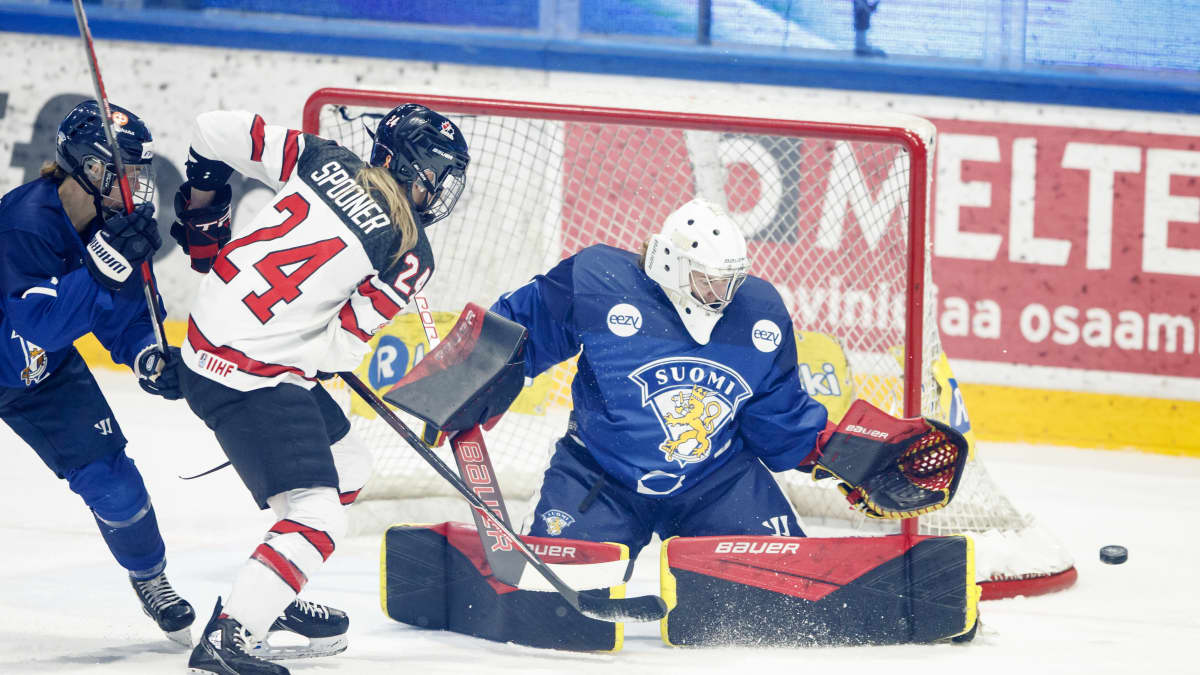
828, 207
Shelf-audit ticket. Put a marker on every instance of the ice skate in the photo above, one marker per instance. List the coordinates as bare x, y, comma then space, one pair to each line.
224, 648
160, 602
323, 627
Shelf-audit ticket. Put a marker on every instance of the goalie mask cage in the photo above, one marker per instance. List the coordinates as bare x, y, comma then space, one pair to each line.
834, 211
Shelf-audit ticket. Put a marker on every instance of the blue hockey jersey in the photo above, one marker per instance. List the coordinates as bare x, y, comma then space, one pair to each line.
48, 299
657, 410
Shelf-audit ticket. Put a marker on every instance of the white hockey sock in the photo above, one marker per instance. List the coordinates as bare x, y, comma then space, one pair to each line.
353, 461
311, 520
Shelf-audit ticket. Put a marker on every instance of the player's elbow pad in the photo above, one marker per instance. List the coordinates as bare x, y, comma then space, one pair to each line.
204, 173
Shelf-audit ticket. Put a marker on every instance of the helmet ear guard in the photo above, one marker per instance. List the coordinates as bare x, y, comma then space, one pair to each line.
699, 237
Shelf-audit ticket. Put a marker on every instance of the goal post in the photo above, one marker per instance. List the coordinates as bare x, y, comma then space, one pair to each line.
834, 207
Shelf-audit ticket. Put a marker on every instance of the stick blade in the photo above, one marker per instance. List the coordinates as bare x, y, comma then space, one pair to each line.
639, 609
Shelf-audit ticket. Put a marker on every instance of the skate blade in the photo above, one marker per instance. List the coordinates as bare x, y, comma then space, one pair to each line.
316, 647
182, 637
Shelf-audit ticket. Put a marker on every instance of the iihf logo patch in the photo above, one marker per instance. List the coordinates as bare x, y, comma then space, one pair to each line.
692, 399
448, 130
557, 521
211, 363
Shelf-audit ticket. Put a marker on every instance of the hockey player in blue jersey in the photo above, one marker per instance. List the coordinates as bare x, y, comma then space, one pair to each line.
68, 261
687, 394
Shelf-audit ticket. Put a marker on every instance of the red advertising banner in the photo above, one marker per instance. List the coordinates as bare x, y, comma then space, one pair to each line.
1068, 247
1052, 246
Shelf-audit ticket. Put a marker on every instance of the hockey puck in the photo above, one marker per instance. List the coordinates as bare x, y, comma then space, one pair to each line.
1113, 555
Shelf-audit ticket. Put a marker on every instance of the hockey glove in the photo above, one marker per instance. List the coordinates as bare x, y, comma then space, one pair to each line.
118, 248
158, 373
201, 232
893, 468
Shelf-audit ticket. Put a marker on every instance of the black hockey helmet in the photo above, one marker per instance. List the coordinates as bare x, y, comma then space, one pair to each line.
420, 146
83, 152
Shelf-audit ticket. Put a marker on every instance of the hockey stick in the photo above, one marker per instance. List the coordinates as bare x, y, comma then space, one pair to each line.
475, 469
642, 608
160, 336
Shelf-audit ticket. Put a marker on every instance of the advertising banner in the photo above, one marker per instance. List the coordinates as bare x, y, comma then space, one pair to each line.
1063, 239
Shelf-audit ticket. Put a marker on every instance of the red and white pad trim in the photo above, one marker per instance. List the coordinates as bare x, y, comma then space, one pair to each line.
319, 539
275, 561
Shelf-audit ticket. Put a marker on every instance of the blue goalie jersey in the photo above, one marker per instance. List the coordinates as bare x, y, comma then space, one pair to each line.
48, 299
657, 410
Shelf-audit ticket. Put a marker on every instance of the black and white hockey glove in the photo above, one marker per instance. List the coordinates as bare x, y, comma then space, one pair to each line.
158, 373
889, 467
201, 232
118, 249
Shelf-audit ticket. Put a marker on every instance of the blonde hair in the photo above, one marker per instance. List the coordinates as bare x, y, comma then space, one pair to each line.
51, 170
378, 180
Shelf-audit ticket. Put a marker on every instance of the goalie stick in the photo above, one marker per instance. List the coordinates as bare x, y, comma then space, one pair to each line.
641, 608
160, 336
475, 468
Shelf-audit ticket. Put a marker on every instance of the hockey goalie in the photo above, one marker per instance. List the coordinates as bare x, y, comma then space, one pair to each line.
686, 400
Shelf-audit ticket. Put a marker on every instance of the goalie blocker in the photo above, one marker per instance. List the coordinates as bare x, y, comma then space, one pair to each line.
471, 377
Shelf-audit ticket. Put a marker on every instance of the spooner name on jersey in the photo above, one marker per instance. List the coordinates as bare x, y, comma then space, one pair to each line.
343, 193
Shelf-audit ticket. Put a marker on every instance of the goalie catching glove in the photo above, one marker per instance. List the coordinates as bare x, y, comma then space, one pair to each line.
889, 467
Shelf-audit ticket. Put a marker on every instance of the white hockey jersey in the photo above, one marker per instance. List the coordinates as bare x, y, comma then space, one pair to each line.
302, 286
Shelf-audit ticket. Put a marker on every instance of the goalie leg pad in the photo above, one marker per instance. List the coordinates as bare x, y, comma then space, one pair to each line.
436, 577
789, 591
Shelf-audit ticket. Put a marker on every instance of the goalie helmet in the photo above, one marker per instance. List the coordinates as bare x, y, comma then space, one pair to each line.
699, 260
82, 151
427, 154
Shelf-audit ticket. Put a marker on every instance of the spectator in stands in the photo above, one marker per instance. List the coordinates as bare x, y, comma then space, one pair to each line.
863, 9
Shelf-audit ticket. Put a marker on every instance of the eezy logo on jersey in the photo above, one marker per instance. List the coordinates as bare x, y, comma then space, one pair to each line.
692, 399
624, 320
766, 336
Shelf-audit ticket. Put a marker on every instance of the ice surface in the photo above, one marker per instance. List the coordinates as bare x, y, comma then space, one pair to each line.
65, 606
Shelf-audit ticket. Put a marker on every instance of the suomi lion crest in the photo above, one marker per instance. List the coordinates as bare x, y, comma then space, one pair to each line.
556, 521
693, 411
692, 400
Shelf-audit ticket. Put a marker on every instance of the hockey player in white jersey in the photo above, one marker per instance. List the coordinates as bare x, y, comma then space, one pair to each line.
289, 297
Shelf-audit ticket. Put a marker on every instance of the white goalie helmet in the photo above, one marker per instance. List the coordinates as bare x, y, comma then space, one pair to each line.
699, 260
